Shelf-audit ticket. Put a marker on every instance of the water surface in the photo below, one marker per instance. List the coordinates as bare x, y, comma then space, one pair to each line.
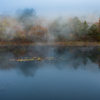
49, 73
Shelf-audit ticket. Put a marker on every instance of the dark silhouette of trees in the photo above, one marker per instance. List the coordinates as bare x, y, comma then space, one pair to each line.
93, 33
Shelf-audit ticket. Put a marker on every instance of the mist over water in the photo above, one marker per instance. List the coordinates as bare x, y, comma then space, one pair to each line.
49, 72
40, 56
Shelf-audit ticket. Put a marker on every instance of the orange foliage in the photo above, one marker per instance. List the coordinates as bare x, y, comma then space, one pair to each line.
38, 31
20, 34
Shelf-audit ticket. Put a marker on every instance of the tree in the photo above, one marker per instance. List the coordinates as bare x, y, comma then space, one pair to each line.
75, 26
54, 29
93, 33
38, 33
58, 30
84, 31
84, 28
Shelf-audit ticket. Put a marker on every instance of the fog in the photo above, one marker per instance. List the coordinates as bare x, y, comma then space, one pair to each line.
27, 60
25, 25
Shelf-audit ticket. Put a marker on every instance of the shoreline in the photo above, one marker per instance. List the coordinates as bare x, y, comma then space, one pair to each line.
52, 43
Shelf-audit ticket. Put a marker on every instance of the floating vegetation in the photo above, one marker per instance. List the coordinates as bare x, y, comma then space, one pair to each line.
38, 59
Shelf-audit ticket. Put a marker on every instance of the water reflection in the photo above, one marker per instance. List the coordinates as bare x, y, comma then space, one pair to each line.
49, 73
27, 59
3, 88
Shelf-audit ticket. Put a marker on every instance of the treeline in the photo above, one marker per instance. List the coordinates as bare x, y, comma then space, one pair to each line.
27, 27
24, 27
75, 30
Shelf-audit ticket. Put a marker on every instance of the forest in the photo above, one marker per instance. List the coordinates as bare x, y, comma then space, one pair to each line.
27, 27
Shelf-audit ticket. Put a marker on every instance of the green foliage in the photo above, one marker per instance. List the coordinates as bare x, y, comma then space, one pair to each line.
93, 33
75, 25
84, 28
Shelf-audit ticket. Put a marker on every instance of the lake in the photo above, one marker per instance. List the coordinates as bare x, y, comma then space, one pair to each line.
43, 72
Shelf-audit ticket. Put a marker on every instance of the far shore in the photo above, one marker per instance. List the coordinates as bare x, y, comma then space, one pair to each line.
71, 43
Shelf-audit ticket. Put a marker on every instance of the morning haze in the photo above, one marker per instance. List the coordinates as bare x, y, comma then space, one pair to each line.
49, 50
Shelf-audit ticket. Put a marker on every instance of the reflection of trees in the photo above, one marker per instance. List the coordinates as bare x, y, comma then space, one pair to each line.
4, 61
28, 68
78, 56
60, 50
17, 52
63, 56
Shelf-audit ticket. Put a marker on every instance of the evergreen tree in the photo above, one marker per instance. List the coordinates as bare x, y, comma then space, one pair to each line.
93, 33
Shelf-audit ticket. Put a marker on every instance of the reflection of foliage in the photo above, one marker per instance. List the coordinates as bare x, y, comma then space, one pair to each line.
2, 88
2, 58
93, 55
62, 56
78, 56
60, 50
28, 68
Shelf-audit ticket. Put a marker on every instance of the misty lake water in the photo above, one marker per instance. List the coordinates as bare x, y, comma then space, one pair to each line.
49, 73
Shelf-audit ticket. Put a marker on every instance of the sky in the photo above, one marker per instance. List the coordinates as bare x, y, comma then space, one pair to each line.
50, 8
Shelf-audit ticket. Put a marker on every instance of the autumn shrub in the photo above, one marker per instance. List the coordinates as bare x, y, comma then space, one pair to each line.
38, 33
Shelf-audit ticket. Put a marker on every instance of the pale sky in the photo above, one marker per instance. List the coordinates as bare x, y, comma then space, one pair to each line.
52, 7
